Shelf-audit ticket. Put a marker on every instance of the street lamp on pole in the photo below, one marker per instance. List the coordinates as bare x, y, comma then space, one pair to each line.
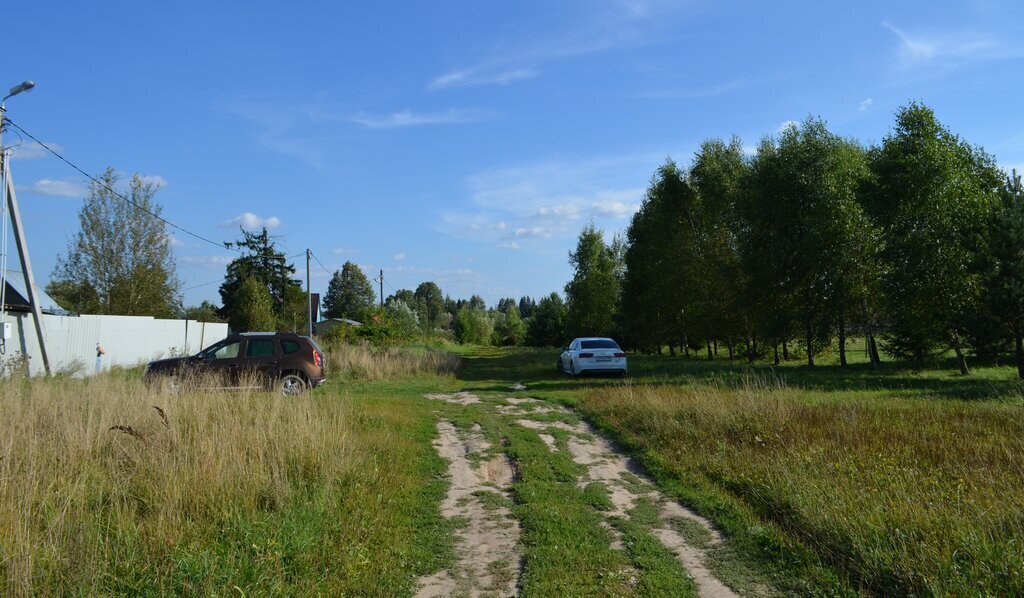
10, 206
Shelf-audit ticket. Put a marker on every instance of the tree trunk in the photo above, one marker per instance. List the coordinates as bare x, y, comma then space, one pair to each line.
873, 349
671, 349
751, 349
961, 359
716, 346
785, 350
686, 345
1018, 336
775, 344
842, 341
707, 339
731, 352
810, 346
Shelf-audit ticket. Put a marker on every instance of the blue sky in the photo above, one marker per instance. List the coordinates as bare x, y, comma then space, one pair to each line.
461, 142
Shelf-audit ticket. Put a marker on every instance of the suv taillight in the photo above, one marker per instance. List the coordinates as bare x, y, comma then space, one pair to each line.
318, 359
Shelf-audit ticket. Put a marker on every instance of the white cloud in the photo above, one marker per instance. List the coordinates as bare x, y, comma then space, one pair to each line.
56, 188
526, 205
465, 78
692, 94
750, 150
175, 241
398, 256
206, 261
30, 150
865, 104
947, 49
344, 251
154, 179
250, 221
405, 118
787, 124
617, 209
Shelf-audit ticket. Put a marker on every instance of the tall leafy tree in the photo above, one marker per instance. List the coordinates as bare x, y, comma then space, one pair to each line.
526, 306
717, 175
1004, 279
253, 308
430, 304
657, 267
932, 196
593, 293
547, 326
204, 312
262, 261
349, 293
120, 261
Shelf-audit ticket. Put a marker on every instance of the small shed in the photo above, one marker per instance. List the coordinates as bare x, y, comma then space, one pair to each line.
327, 324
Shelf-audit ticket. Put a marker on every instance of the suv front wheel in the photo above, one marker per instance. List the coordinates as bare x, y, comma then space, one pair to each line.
291, 385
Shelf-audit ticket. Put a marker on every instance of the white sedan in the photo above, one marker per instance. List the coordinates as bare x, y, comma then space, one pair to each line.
593, 354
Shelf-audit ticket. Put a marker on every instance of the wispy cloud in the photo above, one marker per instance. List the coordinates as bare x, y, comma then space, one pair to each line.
947, 49
275, 130
398, 256
692, 94
250, 221
406, 118
864, 105
344, 251
56, 188
30, 150
615, 25
481, 76
205, 261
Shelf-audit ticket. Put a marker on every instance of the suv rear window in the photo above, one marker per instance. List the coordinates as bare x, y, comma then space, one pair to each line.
289, 347
599, 344
259, 348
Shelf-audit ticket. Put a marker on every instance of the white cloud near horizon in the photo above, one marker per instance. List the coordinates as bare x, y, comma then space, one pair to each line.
398, 256
517, 207
787, 124
250, 221
154, 179
56, 188
30, 150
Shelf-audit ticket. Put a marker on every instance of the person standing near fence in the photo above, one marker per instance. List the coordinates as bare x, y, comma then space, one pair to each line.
99, 358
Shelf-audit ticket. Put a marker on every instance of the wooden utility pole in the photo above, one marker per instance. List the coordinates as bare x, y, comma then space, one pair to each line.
309, 301
382, 287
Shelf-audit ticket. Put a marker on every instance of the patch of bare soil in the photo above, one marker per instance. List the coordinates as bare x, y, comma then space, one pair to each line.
458, 398
626, 484
486, 546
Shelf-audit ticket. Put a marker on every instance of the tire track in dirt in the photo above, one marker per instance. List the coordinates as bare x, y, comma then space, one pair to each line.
486, 544
626, 485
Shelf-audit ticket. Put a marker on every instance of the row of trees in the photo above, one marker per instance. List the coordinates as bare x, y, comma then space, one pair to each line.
918, 241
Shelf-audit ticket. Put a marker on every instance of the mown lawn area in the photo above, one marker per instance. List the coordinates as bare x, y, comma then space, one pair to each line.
837, 479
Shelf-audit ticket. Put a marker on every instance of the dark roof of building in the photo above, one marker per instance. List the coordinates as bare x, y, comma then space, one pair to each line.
16, 297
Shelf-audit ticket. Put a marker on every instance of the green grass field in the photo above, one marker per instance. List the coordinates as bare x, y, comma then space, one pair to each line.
822, 480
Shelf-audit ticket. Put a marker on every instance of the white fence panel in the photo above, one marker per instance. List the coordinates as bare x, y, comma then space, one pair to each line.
127, 340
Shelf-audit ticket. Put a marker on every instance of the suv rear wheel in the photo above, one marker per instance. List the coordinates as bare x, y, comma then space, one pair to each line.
291, 385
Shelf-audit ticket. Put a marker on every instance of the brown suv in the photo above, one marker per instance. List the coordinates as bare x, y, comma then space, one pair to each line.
279, 361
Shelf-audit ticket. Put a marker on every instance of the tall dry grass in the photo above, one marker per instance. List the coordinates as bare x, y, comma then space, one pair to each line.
108, 488
370, 363
902, 495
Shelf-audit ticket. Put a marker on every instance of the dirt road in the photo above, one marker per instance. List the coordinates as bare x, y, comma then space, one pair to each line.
490, 559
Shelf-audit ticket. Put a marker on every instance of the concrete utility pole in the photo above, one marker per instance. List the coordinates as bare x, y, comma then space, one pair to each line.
309, 300
19, 233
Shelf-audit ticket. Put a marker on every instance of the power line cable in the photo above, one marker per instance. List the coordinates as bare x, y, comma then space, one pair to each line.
119, 195
313, 255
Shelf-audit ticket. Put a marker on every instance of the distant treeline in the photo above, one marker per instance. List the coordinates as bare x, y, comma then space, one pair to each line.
917, 244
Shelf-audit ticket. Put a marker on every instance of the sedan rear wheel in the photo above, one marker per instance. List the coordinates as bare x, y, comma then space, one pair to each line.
291, 385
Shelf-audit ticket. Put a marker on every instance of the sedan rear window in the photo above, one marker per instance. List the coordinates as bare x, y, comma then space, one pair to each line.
599, 344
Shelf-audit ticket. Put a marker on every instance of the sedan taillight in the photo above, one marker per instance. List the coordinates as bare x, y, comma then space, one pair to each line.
582, 355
